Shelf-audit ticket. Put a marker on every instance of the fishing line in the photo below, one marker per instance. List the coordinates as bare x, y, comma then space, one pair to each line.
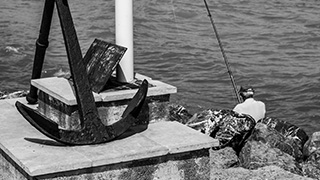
223, 53
174, 16
173, 11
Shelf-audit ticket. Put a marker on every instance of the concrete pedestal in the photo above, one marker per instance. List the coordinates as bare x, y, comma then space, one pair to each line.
162, 150
57, 101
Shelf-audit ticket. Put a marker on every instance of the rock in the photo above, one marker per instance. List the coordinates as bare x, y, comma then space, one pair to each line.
311, 167
223, 158
264, 173
5, 95
288, 137
311, 148
310, 170
271, 151
178, 113
229, 127
263, 148
224, 165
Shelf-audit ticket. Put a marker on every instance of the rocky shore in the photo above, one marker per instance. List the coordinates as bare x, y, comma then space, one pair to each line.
259, 160
6, 95
274, 149
225, 165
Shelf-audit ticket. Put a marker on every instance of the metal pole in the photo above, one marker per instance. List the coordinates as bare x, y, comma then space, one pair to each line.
124, 37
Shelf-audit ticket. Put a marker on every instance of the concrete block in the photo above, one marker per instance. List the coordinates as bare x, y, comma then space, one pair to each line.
57, 102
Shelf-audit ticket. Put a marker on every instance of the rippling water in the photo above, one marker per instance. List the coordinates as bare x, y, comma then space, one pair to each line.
272, 45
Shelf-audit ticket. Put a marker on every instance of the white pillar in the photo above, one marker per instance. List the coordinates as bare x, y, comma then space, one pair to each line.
124, 37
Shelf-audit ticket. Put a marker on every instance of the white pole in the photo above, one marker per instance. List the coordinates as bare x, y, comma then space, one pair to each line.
124, 37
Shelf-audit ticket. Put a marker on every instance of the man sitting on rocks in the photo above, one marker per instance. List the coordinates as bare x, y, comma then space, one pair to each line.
251, 107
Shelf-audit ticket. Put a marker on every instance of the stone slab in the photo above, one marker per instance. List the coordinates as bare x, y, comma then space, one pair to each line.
158, 88
38, 155
61, 89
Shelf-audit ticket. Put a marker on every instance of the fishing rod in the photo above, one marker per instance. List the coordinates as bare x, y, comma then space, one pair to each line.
223, 53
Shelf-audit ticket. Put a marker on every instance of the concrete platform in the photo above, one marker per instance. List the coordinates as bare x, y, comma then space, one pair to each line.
57, 101
164, 150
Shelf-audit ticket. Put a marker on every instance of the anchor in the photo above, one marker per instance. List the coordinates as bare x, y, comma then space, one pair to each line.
92, 130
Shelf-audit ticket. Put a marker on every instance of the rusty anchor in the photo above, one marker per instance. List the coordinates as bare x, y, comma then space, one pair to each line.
92, 131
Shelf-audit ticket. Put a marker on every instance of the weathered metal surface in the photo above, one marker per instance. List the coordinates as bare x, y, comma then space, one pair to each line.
84, 97
101, 60
41, 46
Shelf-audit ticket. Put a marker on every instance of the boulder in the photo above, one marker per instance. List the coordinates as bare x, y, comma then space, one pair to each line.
229, 127
311, 148
284, 136
311, 167
264, 148
310, 170
178, 113
225, 165
267, 172
223, 158
272, 150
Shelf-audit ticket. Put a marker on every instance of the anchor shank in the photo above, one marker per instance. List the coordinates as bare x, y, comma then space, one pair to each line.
84, 96
41, 46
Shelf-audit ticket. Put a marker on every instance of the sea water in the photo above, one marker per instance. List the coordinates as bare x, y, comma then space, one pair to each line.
271, 45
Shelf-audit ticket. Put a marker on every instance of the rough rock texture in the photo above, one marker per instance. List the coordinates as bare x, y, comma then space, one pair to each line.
273, 150
6, 95
312, 147
310, 170
257, 154
311, 167
223, 158
265, 173
178, 113
284, 136
267, 146
224, 165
